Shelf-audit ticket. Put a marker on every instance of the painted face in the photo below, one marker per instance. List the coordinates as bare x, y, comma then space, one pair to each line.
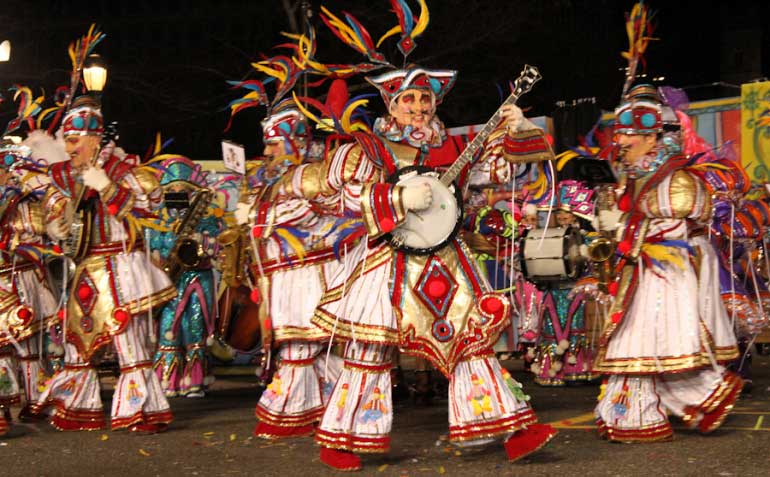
81, 149
634, 147
413, 107
275, 148
564, 218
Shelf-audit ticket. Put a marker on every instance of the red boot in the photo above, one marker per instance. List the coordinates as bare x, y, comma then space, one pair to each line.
527, 441
712, 420
147, 428
340, 459
3, 425
269, 431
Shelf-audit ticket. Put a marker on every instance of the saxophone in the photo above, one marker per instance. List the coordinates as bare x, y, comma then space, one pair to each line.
187, 253
602, 250
232, 256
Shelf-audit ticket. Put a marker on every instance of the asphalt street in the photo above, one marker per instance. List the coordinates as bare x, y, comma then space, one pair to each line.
212, 436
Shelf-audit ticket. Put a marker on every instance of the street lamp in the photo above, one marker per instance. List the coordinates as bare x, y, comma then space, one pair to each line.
95, 74
5, 51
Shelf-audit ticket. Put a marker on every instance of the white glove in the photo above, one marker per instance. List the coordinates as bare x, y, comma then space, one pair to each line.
609, 220
96, 178
57, 229
514, 119
242, 213
417, 196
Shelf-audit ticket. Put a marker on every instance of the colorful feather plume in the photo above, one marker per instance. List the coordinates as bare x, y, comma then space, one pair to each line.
408, 26
29, 107
638, 28
79, 51
156, 147
351, 120
55, 112
352, 34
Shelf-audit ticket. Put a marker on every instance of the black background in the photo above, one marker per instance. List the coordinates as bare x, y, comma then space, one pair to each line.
169, 59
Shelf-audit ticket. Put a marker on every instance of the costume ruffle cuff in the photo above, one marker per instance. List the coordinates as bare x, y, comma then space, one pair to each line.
382, 208
527, 146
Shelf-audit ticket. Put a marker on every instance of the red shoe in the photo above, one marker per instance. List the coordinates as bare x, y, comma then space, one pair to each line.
529, 440
340, 459
147, 428
712, 420
269, 431
26, 415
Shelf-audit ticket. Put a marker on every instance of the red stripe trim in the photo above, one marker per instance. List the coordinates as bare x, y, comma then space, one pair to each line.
289, 420
660, 432
478, 430
350, 442
162, 417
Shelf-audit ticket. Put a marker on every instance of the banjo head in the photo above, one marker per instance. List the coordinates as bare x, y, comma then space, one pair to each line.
425, 231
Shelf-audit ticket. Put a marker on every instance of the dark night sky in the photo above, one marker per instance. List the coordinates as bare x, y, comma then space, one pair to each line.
169, 59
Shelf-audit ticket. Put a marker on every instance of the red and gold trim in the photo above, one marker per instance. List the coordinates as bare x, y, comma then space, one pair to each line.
527, 146
656, 433
368, 368
482, 430
382, 207
352, 443
141, 417
66, 419
346, 329
306, 418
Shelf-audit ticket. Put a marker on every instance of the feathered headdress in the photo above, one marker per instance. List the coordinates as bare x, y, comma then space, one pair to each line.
29, 107
638, 28
79, 51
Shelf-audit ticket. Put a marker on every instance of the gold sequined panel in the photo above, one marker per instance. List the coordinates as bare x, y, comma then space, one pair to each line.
683, 196
92, 308
418, 317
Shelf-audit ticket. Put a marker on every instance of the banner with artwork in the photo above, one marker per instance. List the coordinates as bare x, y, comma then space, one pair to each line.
755, 130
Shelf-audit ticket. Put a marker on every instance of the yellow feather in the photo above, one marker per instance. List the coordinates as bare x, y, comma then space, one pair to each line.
663, 253
564, 158
293, 242
344, 29
393, 31
304, 110
422, 22
345, 120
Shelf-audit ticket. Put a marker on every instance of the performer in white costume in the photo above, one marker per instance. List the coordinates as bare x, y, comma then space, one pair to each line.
294, 254
114, 286
27, 306
668, 334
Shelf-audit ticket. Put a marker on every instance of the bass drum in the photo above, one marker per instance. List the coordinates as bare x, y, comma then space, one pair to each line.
237, 328
552, 254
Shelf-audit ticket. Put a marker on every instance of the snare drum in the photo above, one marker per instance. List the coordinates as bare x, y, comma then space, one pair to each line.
552, 254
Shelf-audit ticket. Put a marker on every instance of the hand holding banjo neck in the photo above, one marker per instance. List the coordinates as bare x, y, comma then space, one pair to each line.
426, 231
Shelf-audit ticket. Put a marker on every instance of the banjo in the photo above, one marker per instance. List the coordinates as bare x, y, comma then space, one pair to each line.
426, 231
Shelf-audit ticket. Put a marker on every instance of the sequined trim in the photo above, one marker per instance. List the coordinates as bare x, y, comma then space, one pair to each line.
505, 425
352, 443
288, 420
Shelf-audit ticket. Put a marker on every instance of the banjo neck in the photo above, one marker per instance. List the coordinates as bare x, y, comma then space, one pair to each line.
529, 76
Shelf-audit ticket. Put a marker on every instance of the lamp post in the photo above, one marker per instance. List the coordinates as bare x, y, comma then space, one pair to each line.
95, 74
5, 51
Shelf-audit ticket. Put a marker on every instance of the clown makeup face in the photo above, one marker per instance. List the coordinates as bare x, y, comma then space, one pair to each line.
634, 147
413, 107
81, 149
274, 147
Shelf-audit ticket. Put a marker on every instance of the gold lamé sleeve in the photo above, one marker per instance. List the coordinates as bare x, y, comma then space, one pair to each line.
679, 196
29, 218
53, 204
